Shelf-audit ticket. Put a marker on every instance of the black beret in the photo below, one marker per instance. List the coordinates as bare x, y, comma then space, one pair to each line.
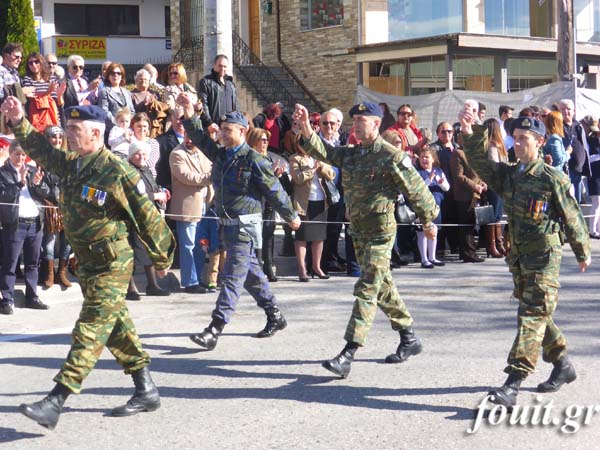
529, 124
366, 109
87, 112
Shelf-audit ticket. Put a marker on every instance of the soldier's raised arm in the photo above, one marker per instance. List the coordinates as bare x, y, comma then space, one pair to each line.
313, 144
475, 142
33, 142
193, 127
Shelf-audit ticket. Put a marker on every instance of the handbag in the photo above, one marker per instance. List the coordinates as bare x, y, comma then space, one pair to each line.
331, 192
53, 218
403, 212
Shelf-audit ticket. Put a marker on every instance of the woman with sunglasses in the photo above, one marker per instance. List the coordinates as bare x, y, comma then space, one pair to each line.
177, 84
44, 102
114, 96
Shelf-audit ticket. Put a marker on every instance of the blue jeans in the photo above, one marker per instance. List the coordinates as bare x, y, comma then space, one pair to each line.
241, 270
26, 237
576, 181
49, 243
191, 256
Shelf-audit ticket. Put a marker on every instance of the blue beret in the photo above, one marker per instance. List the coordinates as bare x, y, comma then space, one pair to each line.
235, 117
529, 124
366, 109
87, 112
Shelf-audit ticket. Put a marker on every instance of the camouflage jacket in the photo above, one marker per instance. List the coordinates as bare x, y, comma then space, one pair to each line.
536, 199
372, 178
242, 181
102, 202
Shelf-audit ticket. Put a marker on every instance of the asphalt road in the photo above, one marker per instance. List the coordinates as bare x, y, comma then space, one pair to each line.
274, 394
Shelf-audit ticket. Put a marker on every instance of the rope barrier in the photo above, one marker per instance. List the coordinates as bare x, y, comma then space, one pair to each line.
312, 222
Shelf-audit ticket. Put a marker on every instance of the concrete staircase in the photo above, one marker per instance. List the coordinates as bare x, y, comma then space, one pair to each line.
270, 85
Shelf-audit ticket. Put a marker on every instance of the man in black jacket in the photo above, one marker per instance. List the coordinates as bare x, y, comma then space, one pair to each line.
217, 92
22, 190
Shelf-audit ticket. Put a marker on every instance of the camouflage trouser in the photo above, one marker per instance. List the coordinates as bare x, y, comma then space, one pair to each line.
103, 321
374, 288
536, 286
241, 270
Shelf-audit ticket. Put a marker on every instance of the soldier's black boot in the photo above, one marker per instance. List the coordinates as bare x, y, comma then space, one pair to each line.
563, 372
275, 322
209, 337
409, 345
507, 394
144, 399
47, 411
340, 365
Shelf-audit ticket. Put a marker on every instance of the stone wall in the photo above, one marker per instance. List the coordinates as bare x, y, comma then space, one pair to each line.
320, 58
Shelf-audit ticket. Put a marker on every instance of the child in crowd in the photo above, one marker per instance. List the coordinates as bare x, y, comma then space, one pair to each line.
120, 136
208, 234
435, 179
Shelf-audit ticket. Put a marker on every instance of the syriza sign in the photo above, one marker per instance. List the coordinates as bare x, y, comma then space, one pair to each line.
86, 47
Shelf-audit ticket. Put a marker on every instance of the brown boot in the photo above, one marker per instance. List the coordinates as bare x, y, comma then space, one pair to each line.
46, 274
61, 275
500, 240
490, 232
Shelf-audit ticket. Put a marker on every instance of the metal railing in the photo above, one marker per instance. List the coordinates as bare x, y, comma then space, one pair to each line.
267, 86
191, 53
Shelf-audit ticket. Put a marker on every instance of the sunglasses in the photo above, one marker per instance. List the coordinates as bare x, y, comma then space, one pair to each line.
33, 61
447, 131
17, 56
264, 140
405, 113
116, 73
52, 63
76, 67
174, 74
325, 123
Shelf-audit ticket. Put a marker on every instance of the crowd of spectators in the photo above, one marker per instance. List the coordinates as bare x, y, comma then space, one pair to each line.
144, 128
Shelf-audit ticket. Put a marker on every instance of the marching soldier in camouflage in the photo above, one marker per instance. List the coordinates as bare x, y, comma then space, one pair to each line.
241, 177
374, 173
537, 201
103, 200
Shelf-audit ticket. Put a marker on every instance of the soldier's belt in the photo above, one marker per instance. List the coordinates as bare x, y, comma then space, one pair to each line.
229, 222
536, 243
106, 250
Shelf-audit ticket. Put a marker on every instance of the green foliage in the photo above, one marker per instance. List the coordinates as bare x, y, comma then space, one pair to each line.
20, 26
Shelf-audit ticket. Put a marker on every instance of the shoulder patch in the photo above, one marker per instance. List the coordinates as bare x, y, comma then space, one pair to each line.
140, 187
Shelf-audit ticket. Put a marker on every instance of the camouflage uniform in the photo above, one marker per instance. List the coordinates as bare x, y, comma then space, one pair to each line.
240, 180
372, 178
102, 202
537, 200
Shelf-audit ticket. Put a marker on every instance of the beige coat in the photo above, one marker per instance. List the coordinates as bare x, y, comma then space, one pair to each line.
191, 183
302, 176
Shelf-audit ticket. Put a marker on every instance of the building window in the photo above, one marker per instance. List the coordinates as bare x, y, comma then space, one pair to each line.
97, 20
586, 14
321, 13
409, 19
507, 17
167, 21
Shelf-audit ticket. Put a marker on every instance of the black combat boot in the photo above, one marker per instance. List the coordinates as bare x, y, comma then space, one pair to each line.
209, 337
507, 394
340, 365
47, 411
409, 345
144, 399
563, 372
275, 322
